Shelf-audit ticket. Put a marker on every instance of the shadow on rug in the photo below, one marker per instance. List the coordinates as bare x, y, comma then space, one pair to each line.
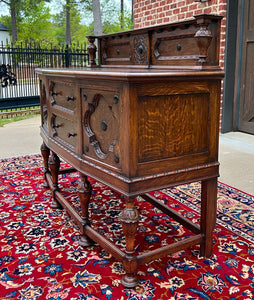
41, 259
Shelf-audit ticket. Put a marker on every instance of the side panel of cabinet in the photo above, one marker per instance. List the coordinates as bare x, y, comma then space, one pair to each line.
177, 125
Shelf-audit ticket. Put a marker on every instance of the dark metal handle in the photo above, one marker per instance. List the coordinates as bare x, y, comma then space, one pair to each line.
70, 134
57, 125
70, 98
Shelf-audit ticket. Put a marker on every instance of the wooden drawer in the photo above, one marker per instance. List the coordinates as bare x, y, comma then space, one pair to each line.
125, 49
64, 131
62, 94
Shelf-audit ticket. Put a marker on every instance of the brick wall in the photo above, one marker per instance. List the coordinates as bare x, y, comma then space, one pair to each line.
155, 12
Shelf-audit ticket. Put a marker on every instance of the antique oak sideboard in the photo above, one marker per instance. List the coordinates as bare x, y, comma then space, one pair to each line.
142, 118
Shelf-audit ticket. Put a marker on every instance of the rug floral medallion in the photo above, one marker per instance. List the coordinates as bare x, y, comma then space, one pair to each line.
41, 258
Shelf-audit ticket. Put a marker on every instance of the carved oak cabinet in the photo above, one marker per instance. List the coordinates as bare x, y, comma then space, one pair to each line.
146, 117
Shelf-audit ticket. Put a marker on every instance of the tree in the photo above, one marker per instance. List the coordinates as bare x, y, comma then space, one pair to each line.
17, 8
97, 17
68, 23
122, 11
35, 24
77, 30
13, 5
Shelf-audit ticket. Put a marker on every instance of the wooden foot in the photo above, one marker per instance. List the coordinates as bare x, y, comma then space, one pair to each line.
208, 214
84, 193
45, 152
129, 219
54, 166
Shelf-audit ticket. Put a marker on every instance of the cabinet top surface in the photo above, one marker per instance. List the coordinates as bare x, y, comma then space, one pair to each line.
130, 72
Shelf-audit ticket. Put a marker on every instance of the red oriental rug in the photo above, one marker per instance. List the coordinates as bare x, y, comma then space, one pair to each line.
41, 259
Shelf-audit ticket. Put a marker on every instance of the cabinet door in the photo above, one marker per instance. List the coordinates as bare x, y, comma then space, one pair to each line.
101, 113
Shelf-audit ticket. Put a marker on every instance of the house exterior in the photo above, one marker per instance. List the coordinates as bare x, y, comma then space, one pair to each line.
236, 50
4, 34
4, 37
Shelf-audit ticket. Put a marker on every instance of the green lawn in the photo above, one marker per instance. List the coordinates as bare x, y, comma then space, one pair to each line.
5, 121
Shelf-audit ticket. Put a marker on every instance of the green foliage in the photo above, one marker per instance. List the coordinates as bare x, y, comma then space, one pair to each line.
110, 26
6, 21
36, 23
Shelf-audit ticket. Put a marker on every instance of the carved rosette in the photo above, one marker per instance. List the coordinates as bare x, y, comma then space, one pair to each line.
140, 49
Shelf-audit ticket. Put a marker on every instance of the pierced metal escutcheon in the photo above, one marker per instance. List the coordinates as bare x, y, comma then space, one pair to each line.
85, 96
118, 51
179, 47
140, 49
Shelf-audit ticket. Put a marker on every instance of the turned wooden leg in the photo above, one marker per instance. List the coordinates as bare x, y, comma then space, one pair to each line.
84, 193
45, 152
54, 166
208, 214
129, 219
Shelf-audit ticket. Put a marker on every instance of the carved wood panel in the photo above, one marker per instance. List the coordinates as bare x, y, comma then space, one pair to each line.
172, 125
101, 113
140, 49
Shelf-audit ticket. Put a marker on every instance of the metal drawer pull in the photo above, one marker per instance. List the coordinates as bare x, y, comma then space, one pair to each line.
57, 125
68, 98
70, 134
55, 93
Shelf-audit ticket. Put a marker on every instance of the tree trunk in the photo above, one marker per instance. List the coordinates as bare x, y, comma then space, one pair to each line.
68, 23
13, 22
122, 23
97, 17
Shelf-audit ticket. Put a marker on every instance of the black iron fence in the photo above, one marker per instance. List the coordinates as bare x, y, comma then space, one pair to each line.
19, 86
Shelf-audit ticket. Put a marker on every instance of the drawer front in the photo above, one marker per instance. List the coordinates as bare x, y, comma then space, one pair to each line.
116, 51
125, 50
64, 131
62, 94
101, 125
